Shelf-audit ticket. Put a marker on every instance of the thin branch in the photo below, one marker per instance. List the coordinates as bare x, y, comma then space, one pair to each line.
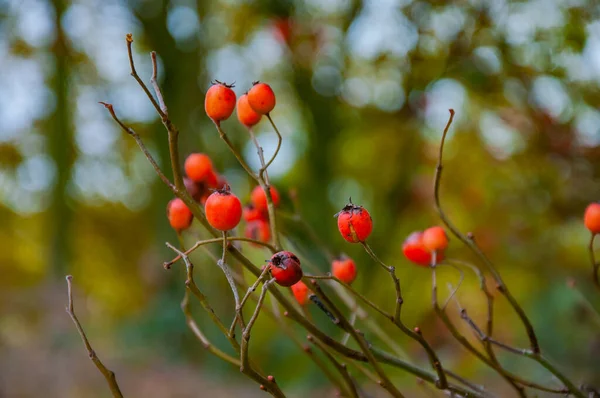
191, 285
341, 368
185, 307
279, 139
168, 264
154, 83
140, 143
235, 152
471, 244
385, 382
261, 156
267, 383
108, 374
129, 39
442, 382
236, 297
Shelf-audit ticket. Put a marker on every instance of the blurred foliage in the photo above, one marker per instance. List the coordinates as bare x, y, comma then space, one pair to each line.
363, 90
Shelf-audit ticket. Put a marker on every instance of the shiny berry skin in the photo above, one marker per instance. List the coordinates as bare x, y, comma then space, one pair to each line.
415, 251
223, 210
344, 269
246, 115
354, 223
198, 167
261, 98
301, 292
251, 213
435, 239
220, 101
259, 198
180, 217
258, 230
591, 218
285, 268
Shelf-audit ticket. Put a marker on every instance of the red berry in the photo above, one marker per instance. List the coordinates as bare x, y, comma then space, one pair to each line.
591, 219
435, 239
246, 115
344, 269
415, 251
198, 167
354, 223
258, 230
285, 268
261, 98
223, 210
301, 292
259, 198
220, 101
251, 213
212, 180
180, 217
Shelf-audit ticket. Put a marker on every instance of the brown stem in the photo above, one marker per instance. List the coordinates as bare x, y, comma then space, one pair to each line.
471, 244
442, 382
190, 284
235, 152
350, 387
168, 264
185, 307
155, 86
279, 139
261, 156
385, 382
108, 374
268, 383
129, 39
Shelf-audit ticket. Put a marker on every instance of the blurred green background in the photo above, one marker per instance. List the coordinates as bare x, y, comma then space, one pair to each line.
363, 91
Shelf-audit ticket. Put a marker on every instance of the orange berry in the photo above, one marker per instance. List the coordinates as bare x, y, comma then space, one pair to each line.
220, 101
223, 210
354, 223
285, 268
198, 167
261, 98
344, 269
180, 217
435, 239
194, 188
258, 230
246, 115
591, 218
259, 198
301, 292
415, 251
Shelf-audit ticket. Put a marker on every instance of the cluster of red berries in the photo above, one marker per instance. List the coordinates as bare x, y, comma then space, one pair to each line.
256, 214
591, 218
420, 246
220, 103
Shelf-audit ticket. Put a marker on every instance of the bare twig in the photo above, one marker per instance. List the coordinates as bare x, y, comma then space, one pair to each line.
471, 244
108, 374
154, 83
140, 143
267, 383
261, 156
279, 139
341, 368
442, 382
185, 307
129, 39
168, 264
385, 382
